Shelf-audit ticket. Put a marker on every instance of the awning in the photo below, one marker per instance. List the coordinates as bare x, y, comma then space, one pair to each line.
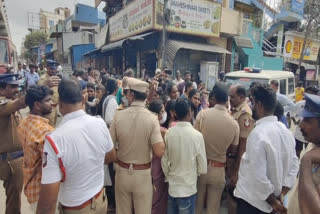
55, 34
112, 46
91, 52
307, 66
174, 46
119, 44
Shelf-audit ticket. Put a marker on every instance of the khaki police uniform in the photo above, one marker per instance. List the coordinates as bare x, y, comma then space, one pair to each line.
11, 148
134, 130
44, 80
219, 131
243, 115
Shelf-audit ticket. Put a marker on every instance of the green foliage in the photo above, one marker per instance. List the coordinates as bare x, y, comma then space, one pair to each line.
311, 22
34, 39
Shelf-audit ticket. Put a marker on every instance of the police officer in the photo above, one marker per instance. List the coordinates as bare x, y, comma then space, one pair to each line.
136, 132
242, 113
51, 80
10, 148
304, 197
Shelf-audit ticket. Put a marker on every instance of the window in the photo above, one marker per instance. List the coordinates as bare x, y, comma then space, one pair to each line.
291, 86
4, 56
90, 38
283, 87
51, 23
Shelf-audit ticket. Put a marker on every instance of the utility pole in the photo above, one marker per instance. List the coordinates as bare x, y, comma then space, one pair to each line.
164, 34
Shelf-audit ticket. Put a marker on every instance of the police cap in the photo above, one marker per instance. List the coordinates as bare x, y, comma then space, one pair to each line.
51, 64
312, 107
137, 85
11, 79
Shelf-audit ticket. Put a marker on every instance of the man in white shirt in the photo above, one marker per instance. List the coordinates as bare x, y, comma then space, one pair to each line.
110, 104
286, 103
178, 79
183, 161
32, 77
269, 167
73, 158
22, 70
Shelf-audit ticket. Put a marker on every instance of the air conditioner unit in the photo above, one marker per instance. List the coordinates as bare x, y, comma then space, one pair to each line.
243, 42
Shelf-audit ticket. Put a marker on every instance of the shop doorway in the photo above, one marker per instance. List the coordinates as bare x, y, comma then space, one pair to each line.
149, 62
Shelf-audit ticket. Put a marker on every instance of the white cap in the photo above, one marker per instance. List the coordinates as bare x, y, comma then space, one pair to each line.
59, 68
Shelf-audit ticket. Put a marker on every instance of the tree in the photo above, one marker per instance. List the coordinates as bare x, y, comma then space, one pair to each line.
311, 23
34, 39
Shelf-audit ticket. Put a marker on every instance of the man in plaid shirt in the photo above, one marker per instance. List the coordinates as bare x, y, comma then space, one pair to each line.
32, 131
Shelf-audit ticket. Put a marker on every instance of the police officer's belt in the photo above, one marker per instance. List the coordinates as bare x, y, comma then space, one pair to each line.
11, 155
134, 166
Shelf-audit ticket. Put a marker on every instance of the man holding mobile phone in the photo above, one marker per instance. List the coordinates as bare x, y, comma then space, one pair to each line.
51, 80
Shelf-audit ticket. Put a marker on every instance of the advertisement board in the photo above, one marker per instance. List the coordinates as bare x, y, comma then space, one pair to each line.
190, 17
201, 18
135, 18
293, 48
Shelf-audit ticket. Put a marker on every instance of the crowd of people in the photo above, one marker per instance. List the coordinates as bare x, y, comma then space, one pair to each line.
96, 143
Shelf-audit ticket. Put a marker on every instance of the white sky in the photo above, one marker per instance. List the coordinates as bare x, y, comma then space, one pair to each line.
18, 13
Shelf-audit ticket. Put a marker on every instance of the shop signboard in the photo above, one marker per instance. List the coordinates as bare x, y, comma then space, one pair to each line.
201, 18
310, 75
135, 18
190, 17
293, 48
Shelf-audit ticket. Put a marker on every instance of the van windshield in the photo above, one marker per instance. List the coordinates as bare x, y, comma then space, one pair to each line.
244, 81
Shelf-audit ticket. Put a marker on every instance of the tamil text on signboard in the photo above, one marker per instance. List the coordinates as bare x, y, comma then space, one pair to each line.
293, 48
201, 18
190, 17
135, 18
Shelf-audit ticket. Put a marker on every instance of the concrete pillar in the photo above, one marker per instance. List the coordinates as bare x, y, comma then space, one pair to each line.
123, 60
280, 39
138, 64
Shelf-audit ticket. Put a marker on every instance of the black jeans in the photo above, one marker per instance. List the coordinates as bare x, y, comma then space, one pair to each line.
244, 207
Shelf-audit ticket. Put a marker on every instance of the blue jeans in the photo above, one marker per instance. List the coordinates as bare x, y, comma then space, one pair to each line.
181, 205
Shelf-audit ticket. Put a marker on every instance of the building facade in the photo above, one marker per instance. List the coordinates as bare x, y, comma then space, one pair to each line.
49, 20
231, 33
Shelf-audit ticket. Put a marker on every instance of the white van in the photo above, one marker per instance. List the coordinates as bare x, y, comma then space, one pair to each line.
245, 78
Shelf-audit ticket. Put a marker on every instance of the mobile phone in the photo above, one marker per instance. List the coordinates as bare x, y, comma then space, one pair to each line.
167, 71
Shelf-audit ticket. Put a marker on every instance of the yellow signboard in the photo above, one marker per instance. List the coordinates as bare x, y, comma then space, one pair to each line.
293, 48
190, 17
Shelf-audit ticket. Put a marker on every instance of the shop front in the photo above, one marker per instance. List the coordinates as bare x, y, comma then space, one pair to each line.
192, 26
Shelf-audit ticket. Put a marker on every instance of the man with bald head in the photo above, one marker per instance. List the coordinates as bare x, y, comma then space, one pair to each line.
242, 113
